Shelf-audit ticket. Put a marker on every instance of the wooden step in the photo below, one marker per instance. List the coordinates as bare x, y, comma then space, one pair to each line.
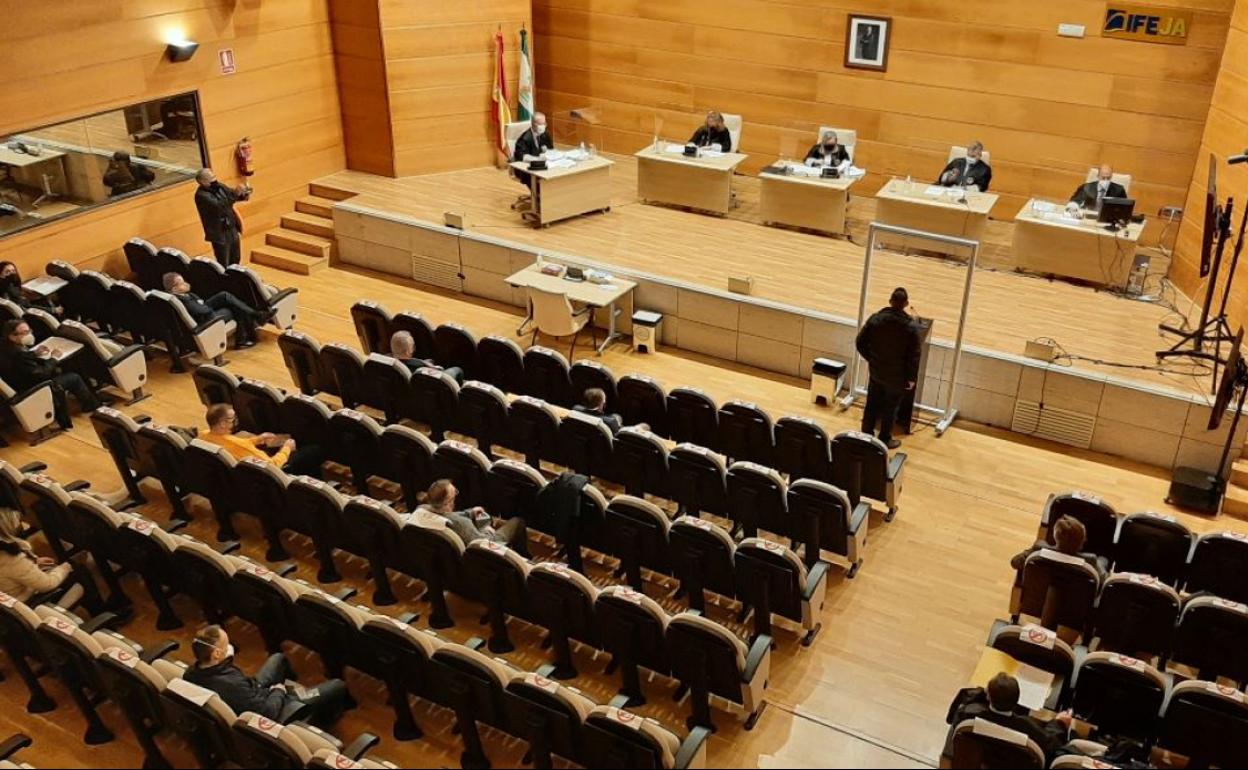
309, 223
316, 205
322, 190
290, 261
312, 245
1236, 502
1239, 473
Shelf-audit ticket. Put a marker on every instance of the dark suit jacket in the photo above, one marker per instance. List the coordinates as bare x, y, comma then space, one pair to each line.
1049, 736
839, 155
199, 310
216, 212
23, 369
1085, 195
414, 364
955, 174
239, 691
705, 137
891, 344
612, 421
528, 144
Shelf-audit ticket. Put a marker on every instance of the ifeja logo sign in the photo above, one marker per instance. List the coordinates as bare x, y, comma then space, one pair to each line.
1147, 23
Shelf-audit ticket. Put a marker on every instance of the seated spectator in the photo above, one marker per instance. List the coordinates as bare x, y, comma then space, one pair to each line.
11, 289
23, 365
267, 693
595, 403
403, 348
998, 703
221, 305
292, 459
35, 579
124, 177
1069, 536
474, 523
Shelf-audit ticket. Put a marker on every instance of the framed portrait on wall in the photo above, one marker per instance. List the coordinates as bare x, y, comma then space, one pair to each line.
866, 42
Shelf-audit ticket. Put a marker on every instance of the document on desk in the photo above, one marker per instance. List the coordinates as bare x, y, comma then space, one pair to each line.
44, 285
554, 155
1034, 686
853, 172
934, 191
674, 149
560, 163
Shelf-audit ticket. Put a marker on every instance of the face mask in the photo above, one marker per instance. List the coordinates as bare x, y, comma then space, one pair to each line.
229, 651
829, 146
539, 130
971, 161
29, 340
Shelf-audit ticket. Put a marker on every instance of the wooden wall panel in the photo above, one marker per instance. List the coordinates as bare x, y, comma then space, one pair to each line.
1047, 107
1226, 133
63, 60
440, 72
360, 60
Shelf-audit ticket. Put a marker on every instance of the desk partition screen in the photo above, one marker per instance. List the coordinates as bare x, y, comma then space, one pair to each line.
57, 171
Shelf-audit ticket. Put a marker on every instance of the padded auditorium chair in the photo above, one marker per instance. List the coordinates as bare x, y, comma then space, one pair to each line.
474, 686
641, 462
263, 492
757, 499
702, 558
435, 553
206, 276
18, 622
708, 659
497, 577
642, 402
262, 742
563, 602
586, 374
399, 655
105, 361
821, 518
502, 363
208, 472
512, 489
306, 420
455, 346
586, 445
1211, 638
129, 313
434, 401
1122, 696
422, 334
258, 407
746, 433
861, 466
1135, 615
171, 260
1217, 566
1207, 723
266, 599
141, 258
1059, 590
344, 366
72, 298
9, 750
980, 743
613, 737
548, 716
93, 287
1153, 544
771, 579
281, 305
329, 626
33, 408
214, 384
1097, 516
407, 459
355, 441
467, 467
135, 683
533, 430
180, 334
484, 413
207, 576
160, 448
633, 629
637, 535
202, 719
321, 508
372, 326
692, 417
698, 480
375, 530
546, 377
1035, 646
302, 355
802, 449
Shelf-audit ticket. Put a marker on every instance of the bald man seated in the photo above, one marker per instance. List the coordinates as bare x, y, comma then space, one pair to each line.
1091, 195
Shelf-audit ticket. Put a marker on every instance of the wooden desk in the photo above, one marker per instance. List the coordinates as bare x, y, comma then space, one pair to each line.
1052, 244
703, 183
805, 201
44, 285
595, 295
62, 349
907, 204
1037, 689
20, 159
563, 193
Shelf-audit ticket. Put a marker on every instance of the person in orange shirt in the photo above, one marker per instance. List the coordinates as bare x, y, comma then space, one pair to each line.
294, 460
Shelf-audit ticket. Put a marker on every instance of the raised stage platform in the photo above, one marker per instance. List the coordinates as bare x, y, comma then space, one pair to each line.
1109, 398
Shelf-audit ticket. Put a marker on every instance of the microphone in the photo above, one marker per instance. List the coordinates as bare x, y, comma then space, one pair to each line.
1238, 158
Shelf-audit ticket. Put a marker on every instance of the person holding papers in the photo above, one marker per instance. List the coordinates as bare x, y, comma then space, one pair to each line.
968, 172
532, 144
1091, 195
828, 152
713, 134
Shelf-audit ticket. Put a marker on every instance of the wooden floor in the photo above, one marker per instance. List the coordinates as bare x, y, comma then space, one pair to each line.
813, 271
897, 641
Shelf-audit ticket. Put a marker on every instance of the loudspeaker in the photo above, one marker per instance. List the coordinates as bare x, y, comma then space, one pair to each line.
1195, 490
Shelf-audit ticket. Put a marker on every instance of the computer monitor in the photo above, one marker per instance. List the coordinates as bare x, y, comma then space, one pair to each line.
1116, 210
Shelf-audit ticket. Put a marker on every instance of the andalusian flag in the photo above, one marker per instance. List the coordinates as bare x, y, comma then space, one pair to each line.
526, 78
502, 112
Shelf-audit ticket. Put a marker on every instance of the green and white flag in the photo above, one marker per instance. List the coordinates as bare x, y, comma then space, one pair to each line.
526, 79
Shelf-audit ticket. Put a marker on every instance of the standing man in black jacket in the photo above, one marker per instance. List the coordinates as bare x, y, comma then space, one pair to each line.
532, 143
222, 226
971, 171
267, 693
23, 366
713, 132
890, 343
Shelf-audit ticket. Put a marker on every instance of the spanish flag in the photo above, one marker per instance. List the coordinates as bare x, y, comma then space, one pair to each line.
502, 112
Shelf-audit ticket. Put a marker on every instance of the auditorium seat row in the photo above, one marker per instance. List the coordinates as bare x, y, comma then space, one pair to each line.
1121, 696
1156, 544
9, 749
763, 575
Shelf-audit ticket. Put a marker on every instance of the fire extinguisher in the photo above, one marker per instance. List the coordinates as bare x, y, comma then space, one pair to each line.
242, 157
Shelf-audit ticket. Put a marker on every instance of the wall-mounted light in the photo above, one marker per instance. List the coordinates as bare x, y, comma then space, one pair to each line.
181, 50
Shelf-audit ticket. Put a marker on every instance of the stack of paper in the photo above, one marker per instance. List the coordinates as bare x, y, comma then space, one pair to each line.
560, 163
674, 149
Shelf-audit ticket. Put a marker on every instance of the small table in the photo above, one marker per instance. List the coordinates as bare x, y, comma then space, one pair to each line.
1049, 242
933, 209
799, 200
44, 286
1037, 689
595, 295
62, 349
569, 191
666, 175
